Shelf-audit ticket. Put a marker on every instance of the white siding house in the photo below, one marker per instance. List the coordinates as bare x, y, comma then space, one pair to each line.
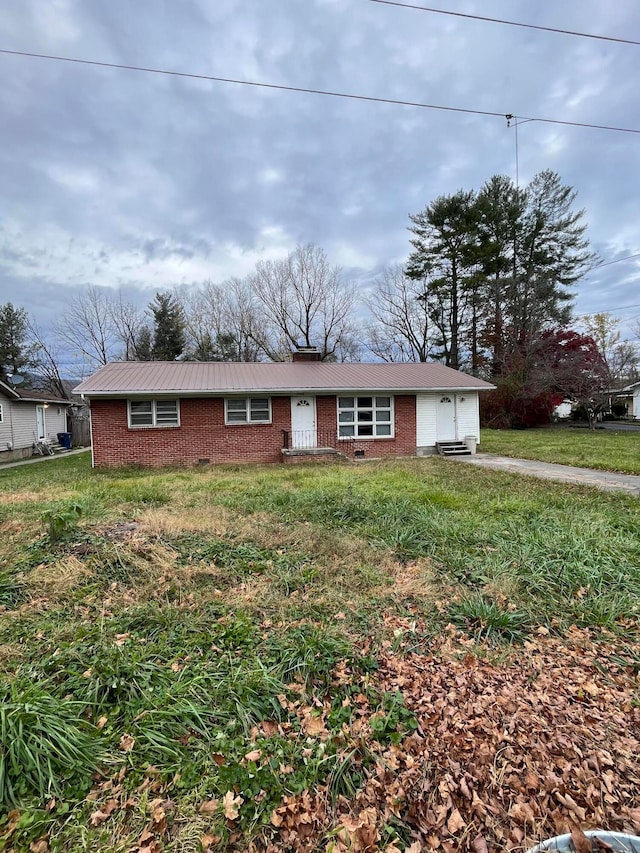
631, 392
27, 417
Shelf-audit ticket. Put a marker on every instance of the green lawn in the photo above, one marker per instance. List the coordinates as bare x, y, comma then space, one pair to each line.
603, 449
195, 658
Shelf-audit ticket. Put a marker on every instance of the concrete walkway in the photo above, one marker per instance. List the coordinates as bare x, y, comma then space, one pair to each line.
33, 459
607, 480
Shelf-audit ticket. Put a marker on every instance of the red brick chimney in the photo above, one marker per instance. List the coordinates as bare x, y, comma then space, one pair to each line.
306, 354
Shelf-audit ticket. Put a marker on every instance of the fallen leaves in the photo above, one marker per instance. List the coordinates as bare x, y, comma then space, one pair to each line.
209, 807
127, 742
508, 751
506, 754
254, 755
312, 724
231, 805
104, 812
580, 841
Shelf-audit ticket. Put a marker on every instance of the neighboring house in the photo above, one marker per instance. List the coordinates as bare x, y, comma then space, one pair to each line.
26, 417
563, 410
181, 413
631, 395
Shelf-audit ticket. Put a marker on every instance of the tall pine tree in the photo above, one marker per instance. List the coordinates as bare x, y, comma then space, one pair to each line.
445, 256
168, 328
16, 355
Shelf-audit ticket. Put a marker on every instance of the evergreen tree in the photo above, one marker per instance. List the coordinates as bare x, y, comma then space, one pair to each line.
16, 355
168, 331
143, 346
501, 206
445, 257
552, 253
498, 267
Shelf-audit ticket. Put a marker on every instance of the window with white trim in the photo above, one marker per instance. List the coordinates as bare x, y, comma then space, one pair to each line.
247, 410
365, 417
1, 414
154, 413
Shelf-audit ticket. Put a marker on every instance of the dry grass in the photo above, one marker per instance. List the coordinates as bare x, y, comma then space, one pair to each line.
173, 520
56, 580
19, 497
413, 580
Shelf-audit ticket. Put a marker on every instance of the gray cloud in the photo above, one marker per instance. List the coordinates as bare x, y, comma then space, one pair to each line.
143, 181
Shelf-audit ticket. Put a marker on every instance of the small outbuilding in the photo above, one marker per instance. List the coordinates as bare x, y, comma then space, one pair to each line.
185, 413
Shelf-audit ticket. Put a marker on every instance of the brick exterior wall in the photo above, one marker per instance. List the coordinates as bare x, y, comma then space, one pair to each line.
203, 434
403, 443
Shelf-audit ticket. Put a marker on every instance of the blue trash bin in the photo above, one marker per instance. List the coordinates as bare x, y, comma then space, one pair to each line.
65, 440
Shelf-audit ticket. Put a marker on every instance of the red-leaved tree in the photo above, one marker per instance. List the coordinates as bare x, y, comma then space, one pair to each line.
540, 373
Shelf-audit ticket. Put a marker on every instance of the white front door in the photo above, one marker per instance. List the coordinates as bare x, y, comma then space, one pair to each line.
303, 422
446, 418
41, 428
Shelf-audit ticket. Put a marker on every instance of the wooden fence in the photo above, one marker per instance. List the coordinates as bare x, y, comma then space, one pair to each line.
80, 432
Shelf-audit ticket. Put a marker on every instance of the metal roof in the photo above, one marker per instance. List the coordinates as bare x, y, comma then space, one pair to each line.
128, 378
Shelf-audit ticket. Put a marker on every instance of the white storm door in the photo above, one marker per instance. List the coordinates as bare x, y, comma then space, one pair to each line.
446, 418
303, 422
41, 428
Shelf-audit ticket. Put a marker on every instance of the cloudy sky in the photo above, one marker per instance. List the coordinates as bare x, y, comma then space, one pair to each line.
144, 181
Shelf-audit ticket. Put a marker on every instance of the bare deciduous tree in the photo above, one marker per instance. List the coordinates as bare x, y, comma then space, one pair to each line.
88, 326
47, 358
223, 321
306, 303
401, 330
128, 321
621, 357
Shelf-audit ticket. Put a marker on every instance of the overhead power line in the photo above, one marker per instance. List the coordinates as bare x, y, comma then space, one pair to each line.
617, 261
309, 91
505, 22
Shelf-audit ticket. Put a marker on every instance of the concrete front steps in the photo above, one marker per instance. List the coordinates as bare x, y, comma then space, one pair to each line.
452, 448
312, 454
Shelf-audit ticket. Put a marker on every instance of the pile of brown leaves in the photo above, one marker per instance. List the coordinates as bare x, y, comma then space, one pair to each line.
509, 749
506, 754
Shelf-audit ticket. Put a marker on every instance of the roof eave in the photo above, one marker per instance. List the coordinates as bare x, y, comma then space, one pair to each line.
335, 389
9, 390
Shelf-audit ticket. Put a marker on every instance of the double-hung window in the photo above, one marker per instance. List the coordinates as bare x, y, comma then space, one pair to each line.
154, 413
365, 417
247, 410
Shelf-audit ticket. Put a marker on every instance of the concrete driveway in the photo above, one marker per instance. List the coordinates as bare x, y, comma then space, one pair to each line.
607, 480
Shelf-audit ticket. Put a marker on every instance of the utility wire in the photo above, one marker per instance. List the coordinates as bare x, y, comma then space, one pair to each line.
617, 261
308, 91
507, 23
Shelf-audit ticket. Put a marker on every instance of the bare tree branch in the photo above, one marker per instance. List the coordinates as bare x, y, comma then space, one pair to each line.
402, 327
88, 327
47, 358
306, 303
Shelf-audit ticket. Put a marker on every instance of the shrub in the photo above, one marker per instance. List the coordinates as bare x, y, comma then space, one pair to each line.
61, 522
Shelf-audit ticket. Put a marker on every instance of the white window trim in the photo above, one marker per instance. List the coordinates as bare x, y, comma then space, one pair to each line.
153, 424
1, 413
355, 395
247, 411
